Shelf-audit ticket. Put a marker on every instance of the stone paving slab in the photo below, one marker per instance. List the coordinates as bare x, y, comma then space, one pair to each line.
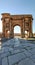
15, 58
17, 52
4, 61
26, 61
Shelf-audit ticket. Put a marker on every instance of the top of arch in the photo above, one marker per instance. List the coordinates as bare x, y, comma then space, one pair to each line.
21, 16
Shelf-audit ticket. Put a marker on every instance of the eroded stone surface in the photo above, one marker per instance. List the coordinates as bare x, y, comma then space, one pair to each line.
17, 52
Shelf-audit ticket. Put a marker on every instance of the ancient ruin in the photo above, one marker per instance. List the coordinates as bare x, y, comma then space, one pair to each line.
9, 21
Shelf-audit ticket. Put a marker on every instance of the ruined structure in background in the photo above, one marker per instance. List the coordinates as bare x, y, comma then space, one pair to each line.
9, 21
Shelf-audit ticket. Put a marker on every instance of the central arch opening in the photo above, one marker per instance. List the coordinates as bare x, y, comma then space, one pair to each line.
17, 31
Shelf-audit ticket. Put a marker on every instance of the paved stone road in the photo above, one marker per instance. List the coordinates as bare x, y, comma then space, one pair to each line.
17, 52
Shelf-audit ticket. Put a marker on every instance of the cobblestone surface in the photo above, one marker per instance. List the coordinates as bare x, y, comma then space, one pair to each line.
17, 52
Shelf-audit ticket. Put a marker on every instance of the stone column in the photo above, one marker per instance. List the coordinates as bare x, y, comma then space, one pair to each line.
12, 32
22, 29
23, 22
11, 28
3, 26
31, 34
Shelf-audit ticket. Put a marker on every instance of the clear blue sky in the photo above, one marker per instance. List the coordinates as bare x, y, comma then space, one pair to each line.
18, 7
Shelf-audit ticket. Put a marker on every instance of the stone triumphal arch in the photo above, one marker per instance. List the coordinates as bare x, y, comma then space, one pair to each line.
9, 21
